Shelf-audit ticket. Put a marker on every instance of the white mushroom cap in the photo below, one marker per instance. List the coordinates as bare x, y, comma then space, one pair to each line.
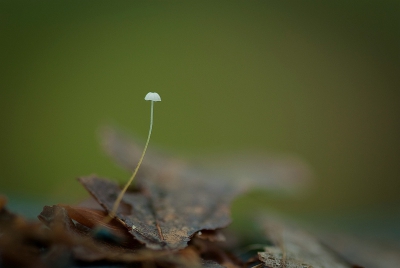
152, 96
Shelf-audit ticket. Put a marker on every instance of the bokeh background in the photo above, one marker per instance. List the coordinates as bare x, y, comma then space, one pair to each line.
315, 79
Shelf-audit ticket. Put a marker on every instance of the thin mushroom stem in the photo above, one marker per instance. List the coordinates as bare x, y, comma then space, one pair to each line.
113, 212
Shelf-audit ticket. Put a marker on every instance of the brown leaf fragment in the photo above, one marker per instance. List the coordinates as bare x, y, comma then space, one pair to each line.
285, 173
242, 172
56, 217
294, 248
164, 215
92, 218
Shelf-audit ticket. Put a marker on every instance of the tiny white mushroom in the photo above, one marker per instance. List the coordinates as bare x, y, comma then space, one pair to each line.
151, 96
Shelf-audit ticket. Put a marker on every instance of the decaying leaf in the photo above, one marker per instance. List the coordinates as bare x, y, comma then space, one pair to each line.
243, 172
166, 214
278, 172
294, 248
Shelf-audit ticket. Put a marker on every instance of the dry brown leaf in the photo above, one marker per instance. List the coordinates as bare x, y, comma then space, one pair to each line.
243, 172
92, 218
274, 172
166, 214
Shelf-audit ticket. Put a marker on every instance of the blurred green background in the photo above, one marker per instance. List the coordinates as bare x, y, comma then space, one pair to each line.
317, 79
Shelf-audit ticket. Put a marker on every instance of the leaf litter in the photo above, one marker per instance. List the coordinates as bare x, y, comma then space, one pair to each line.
174, 217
